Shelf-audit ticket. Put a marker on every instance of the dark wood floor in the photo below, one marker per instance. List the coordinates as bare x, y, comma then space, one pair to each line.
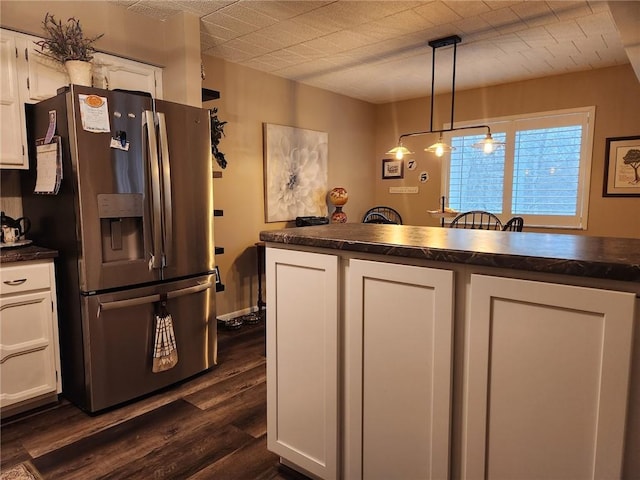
210, 427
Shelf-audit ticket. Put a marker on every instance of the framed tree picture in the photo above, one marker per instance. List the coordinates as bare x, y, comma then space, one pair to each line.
622, 167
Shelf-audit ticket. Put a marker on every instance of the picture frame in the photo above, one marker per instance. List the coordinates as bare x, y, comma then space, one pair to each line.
295, 172
622, 167
392, 169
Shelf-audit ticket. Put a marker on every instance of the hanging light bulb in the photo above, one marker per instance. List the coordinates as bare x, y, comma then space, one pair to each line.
399, 152
440, 147
488, 144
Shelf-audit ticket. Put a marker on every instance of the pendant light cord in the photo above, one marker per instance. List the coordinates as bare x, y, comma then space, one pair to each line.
453, 81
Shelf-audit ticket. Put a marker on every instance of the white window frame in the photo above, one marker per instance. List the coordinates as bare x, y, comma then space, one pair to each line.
546, 119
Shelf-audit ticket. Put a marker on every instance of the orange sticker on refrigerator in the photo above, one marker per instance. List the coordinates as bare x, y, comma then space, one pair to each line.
94, 113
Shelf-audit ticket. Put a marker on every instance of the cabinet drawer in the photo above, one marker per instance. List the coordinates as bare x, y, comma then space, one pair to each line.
27, 375
24, 277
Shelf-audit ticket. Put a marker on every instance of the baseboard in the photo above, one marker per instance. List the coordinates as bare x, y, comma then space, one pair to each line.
238, 313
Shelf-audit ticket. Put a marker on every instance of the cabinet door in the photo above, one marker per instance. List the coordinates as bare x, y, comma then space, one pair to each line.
13, 153
46, 76
398, 341
302, 359
546, 382
112, 73
27, 348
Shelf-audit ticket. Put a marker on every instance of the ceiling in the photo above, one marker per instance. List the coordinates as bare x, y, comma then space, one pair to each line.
377, 51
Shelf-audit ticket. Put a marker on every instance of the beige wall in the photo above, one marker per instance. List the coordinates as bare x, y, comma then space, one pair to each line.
248, 99
173, 44
614, 91
126, 34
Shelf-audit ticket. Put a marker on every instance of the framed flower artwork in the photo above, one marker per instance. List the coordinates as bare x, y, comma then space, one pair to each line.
295, 172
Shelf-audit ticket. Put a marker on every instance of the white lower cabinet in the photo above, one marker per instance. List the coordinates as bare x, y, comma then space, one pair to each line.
29, 352
364, 382
302, 359
547, 380
398, 344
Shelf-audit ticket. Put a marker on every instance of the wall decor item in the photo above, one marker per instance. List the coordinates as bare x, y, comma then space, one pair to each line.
392, 169
295, 172
338, 197
622, 167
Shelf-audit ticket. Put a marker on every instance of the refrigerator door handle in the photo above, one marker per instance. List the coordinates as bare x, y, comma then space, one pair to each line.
166, 190
132, 302
148, 121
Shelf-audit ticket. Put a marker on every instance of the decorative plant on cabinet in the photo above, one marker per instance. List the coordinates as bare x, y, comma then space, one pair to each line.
67, 45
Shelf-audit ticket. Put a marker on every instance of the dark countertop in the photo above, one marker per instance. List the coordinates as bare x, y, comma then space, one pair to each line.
580, 255
26, 253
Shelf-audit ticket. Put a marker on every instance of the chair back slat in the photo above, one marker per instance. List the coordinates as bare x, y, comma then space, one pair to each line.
382, 215
476, 220
514, 224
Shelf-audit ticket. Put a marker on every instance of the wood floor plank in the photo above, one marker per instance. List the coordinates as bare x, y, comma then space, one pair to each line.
164, 443
212, 426
181, 459
252, 461
219, 392
56, 429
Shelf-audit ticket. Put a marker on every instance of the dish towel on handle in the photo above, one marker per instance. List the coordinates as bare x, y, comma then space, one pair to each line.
165, 351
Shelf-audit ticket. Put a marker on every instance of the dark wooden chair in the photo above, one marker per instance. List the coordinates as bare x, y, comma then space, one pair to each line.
476, 220
514, 224
382, 215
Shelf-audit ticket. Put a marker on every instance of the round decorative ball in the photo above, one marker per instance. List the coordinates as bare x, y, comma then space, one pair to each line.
338, 216
338, 196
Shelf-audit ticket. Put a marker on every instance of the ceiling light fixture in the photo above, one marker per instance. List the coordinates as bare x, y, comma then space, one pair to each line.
488, 144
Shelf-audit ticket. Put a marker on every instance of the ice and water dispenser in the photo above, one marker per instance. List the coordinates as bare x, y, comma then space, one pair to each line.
121, 224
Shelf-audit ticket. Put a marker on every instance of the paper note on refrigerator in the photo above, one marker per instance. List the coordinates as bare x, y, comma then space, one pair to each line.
49, 166
94, 113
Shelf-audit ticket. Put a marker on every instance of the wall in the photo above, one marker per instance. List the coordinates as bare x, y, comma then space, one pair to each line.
125, 34
248, 99
174, 45
614, 91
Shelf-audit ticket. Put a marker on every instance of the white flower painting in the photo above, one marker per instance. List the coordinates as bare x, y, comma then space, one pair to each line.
295, 172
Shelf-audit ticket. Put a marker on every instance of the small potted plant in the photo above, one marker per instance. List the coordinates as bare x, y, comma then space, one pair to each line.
217, 132
67, 45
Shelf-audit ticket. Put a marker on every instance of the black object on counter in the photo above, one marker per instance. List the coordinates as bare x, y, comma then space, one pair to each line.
311, 221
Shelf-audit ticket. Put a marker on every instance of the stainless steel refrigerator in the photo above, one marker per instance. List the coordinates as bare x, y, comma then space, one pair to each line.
133, 224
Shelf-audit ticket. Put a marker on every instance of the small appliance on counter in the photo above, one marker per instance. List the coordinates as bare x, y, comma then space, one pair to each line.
13, 231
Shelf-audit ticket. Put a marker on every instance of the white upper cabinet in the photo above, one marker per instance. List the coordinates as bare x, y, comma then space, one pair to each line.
112, 72
27, 76
13, 152
44, 75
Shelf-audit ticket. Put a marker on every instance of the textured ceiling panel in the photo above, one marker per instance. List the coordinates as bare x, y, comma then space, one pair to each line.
378, 50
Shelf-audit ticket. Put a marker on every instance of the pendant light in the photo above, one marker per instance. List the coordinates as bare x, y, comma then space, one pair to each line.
488, 144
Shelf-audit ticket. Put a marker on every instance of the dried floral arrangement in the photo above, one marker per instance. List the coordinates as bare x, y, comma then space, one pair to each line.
217, 132
65, 42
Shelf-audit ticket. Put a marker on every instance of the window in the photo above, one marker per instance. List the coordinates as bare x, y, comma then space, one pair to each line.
541, 174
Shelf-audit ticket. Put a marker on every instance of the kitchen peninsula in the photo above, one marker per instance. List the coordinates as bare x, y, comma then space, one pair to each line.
419, 352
